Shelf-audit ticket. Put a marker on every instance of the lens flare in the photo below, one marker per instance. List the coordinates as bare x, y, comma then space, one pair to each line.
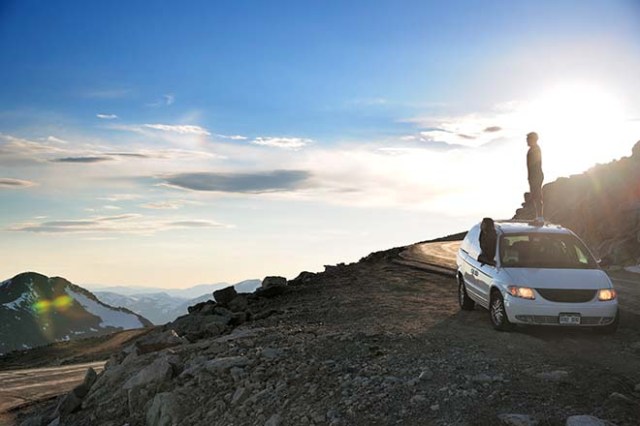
60, 303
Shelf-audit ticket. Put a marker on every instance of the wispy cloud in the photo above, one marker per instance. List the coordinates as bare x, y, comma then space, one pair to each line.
249, 183
125, 223
284, 143
492, 129
82, 160
163, 205
107, 116
165, 100
232, 137
182, 129
15, 183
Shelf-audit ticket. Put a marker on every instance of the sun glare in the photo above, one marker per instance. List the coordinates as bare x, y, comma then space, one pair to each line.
579, 126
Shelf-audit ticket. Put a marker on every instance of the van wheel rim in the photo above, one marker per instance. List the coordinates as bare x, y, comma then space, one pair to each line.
497, 313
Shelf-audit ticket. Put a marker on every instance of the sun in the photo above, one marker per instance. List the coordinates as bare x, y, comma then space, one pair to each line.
579, 125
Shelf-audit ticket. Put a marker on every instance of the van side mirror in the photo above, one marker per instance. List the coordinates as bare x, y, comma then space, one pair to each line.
605, 262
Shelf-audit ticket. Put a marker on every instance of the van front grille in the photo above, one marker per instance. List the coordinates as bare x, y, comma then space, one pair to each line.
567, 296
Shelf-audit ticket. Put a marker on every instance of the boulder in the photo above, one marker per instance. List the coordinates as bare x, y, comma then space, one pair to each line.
165, 410
239, 303
156, 373
272, 286
69, 403
303, 277
83, 388
157, 341
225, 295
198, 307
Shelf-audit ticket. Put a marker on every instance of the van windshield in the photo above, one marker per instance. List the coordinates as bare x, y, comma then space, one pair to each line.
537, 250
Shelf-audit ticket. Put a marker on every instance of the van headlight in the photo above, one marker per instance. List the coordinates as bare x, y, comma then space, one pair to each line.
522, 292
606, 294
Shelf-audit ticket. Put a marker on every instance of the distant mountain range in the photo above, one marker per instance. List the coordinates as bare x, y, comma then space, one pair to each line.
36, 310
164, 305
184, 293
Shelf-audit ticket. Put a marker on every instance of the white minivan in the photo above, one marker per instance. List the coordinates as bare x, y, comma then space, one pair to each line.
540, 275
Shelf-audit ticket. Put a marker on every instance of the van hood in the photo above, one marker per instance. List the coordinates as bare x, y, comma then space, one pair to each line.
577, 279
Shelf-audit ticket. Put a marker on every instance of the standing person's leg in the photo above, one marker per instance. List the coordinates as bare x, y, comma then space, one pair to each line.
535, 187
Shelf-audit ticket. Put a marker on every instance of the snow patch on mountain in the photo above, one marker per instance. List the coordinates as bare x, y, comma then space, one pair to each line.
18, 303
108, 316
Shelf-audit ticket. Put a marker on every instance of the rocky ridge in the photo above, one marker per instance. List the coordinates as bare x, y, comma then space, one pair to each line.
367, 343
602, 205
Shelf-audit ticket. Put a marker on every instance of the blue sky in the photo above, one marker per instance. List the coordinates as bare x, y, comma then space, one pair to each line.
173, 143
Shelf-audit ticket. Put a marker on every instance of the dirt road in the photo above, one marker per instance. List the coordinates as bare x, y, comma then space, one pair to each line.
24, 386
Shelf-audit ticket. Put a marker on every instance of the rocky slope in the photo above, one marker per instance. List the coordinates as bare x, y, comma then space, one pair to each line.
601, 205
163, 307
36, 310
370, 343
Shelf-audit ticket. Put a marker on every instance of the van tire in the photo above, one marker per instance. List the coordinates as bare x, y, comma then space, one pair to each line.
498, 313
466, 303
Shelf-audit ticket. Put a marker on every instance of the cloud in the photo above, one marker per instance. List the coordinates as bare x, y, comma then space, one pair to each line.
107, 116
125, 223
86, 160
15, 183
492, 129
284, 143
180, 129
56, 140
247, 183
121, 197
232, 137
165, 100
468, 137
129, 154
163, 205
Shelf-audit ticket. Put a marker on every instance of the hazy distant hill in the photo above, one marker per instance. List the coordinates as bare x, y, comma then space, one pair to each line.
184, 293
166, 306
602, 205
36, 310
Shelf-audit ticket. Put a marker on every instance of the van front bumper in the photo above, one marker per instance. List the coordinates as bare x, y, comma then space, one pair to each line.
543, 312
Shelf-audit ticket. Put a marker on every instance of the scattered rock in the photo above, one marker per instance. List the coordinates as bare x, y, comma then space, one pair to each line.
157, 341
616, 397
225, 363
554, 376
435, 407
517, 420
89, 379
585, 421
274, 420
225, 295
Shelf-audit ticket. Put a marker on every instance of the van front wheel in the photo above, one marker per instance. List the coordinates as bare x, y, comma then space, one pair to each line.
498, 313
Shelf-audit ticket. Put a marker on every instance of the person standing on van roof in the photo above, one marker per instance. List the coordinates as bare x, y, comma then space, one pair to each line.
535, 175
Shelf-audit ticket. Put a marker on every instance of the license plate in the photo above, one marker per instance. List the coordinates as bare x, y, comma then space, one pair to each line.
569, 319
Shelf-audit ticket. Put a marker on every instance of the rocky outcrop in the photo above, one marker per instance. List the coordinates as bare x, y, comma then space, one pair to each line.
601, 205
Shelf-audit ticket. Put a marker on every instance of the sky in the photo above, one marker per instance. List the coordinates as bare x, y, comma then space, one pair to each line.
170, 144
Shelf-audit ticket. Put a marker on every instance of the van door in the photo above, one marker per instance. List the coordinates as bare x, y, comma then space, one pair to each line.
471, 265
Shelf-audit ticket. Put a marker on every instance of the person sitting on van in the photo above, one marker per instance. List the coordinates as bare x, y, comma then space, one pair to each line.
488, 241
